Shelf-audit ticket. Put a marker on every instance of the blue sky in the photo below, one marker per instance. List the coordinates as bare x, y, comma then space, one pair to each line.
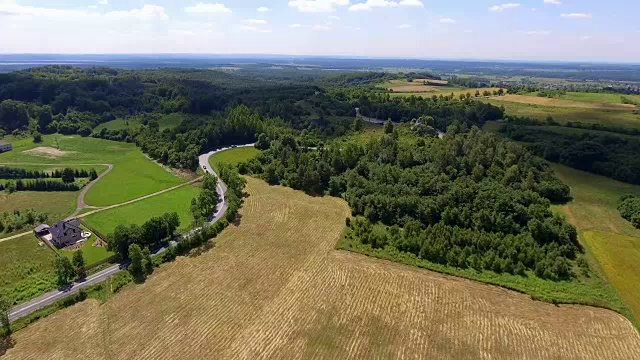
592, 30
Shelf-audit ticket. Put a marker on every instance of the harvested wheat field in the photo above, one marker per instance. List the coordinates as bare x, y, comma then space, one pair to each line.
537, 100
274, 287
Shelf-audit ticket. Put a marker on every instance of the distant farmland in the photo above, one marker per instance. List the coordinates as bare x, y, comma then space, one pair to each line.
274, 287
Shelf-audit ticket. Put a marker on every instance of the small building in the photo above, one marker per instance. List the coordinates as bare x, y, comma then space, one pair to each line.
5, 146
64, 233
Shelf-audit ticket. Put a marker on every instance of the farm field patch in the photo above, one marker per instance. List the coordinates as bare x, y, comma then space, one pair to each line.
26, 268
133, 175
563, 115
613, 241
178, 200
274, 287
233, 156
564, 102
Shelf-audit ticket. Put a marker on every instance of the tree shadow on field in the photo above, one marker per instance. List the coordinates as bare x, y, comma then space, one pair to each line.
202, 249
6, 343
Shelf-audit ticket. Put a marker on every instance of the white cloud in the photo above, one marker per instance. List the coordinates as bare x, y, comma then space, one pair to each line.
502, 7
103, 2
147, 12
255, 22
207, 8
404, 26
317, 5
447, 21
417, 3
263, 9
295, 26
586, 37
538, 32
370, 4
576, 16
254, 29
321, 27
334, 18
553, 2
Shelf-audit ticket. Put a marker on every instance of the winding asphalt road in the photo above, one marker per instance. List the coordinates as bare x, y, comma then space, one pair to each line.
53, 296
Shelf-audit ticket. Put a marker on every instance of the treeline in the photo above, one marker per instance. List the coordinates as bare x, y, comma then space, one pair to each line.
19, 219
607, 154
235, 190
181, 147
445, 111
44, 185
18, 173
629, 208
150, 235
204, 205
471, 197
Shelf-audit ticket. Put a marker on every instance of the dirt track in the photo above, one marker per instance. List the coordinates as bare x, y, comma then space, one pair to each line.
274, 287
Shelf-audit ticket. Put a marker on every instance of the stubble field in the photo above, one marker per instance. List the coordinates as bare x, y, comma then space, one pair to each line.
274, 287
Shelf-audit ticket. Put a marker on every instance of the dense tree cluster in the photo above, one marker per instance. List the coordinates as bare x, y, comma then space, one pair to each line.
150, 235
607, 154
204, 205
445, 111
19, 173
629, 208
235, 190
468, 194
45, 185
19, 219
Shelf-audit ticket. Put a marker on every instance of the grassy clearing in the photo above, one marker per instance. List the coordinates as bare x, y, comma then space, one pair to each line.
596, 98
133, 175
567, 114
274, 287
57, 205
416, 86
610, 239
169, 121
92, 254
178, 200
26, 268
233, 156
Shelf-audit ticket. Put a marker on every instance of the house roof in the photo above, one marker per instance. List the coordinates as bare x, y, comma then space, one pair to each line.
41, 228
58, 230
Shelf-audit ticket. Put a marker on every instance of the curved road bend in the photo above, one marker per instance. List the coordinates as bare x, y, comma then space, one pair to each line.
55, 295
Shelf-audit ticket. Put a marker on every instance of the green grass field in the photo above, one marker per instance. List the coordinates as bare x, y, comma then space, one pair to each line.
166, 122
178, 200
610, 239
595, 98
563, 115
233, 156
26, 268
92, 254
133, 175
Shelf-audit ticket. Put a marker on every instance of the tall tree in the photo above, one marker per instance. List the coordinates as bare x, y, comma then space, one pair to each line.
388, 127
79, 264
5, 324
136, 269
64, 271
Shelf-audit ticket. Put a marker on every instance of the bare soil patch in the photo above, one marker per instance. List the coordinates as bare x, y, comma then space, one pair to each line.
275, 288
48, 152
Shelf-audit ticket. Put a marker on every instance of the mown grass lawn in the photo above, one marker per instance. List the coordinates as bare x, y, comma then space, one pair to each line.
609, 238
92, 254
233, 156
133, 175
178, 200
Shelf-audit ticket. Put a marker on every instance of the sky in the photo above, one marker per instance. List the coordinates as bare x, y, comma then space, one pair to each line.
570, 30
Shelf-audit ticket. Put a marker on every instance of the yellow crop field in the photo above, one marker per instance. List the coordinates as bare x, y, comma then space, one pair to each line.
275, 287
545, 101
